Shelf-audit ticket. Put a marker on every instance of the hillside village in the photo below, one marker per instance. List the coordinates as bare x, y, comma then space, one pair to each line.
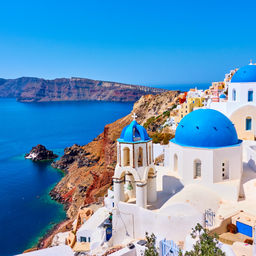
177, 160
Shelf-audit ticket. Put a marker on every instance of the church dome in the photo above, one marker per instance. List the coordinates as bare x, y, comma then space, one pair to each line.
206, 128
223, 96
245, 74
134, 133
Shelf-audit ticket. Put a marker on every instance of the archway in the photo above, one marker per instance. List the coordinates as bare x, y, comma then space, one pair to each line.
126, 156
130, 187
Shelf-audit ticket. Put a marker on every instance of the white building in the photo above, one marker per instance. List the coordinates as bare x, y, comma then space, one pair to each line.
240, 106
203, 170
93, 230
52, 251
207, 151
135, 174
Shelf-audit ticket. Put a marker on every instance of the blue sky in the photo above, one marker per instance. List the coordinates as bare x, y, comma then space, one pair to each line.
135, 41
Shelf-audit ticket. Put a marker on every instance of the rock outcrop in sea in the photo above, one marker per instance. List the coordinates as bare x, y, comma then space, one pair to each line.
40, 153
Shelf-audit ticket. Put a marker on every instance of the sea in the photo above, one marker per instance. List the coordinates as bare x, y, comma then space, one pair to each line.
26, 209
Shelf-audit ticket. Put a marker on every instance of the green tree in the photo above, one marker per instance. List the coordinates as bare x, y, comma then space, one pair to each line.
206, 245
151, 249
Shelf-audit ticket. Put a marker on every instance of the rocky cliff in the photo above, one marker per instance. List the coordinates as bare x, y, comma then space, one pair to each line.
89, 169
29, 89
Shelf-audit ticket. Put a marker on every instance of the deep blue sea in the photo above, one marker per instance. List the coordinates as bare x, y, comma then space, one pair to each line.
26, 210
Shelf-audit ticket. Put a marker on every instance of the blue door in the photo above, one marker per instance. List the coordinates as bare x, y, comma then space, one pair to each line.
108, 233
244, 229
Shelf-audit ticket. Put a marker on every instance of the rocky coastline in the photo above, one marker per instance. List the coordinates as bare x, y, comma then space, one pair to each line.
89, 168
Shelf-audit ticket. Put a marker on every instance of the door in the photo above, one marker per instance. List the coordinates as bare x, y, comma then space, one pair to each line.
244, 229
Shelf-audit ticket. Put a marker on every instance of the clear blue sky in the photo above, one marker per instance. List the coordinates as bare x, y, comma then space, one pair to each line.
132, 41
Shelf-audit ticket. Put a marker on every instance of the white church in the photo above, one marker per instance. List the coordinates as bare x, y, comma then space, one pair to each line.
207, 166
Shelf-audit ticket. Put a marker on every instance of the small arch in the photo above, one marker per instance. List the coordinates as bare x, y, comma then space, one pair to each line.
150, 154
197, 168
140, 157
175, 163
126, 156
250, 95
234, 95
248, 123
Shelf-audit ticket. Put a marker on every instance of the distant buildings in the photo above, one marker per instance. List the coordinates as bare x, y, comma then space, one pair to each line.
240, 104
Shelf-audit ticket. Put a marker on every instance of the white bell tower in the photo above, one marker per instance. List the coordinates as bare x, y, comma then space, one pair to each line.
135, 174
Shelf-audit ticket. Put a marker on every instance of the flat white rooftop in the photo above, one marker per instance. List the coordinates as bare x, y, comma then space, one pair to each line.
60, 250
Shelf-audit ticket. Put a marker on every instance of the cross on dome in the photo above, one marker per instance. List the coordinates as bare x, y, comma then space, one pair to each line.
134, 116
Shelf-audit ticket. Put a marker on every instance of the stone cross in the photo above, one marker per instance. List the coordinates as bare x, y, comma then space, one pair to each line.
134, 116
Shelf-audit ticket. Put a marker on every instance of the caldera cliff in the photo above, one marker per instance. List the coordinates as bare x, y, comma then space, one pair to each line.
32, 89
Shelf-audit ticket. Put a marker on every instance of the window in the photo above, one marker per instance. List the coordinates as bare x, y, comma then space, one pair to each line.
197, 169
234, 95
140, 157
250, 96
82, 239
248, 124
126, 156
89, 239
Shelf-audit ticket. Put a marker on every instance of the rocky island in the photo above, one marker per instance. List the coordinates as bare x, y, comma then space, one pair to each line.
31, 89
40, 153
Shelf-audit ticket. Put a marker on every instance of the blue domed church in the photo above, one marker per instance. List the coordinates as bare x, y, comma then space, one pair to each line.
135, 176
206, 150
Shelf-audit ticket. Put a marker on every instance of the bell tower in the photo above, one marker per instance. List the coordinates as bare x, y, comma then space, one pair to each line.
135, 175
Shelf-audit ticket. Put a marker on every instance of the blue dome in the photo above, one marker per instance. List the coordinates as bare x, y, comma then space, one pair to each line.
134, 133
245, 74
206, 128
223, 96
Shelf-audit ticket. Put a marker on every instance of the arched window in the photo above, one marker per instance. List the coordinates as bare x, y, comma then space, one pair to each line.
175, 163
248, 124
126, 156
234, 95
140, 157
250, 95
150, 154
197, 169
